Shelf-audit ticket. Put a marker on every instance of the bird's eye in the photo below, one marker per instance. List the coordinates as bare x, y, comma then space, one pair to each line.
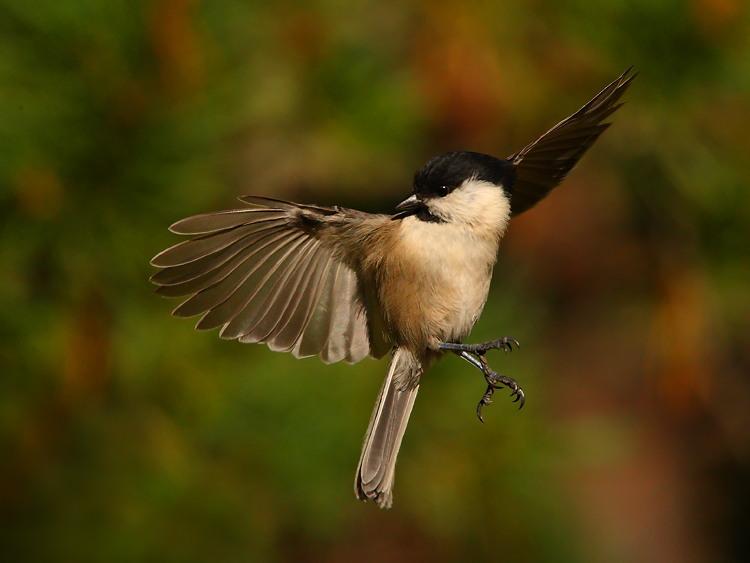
442, 191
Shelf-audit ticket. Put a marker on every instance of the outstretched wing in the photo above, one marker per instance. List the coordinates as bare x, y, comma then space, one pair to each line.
271, 274
546, 162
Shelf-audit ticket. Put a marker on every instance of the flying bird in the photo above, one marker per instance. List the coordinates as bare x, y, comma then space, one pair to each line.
344, 284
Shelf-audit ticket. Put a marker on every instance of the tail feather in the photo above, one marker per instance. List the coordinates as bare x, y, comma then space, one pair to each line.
387, 425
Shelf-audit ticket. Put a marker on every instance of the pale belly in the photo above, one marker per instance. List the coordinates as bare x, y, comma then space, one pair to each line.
437, 286
470, 290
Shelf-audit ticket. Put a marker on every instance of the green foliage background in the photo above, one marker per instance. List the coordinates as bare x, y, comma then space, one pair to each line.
127, 436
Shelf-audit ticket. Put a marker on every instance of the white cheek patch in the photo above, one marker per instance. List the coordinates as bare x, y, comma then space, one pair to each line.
476, 203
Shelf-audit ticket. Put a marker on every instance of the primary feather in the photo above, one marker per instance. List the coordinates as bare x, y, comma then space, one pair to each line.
277, 273
546, 162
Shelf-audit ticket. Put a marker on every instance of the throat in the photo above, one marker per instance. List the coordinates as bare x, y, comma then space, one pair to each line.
423, 214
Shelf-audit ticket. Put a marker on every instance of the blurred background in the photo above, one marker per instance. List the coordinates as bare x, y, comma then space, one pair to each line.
127, 436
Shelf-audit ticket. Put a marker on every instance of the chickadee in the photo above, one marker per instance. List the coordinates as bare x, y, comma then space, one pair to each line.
344, 284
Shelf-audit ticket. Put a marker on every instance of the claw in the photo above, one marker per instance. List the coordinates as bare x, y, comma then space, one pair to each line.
518, 392
506, 343
486, 400
497, 381
474, 354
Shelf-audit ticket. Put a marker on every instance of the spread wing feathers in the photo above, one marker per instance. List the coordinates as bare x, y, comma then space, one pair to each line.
546, 162
264, 274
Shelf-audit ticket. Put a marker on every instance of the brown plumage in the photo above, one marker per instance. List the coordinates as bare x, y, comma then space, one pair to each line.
343, 284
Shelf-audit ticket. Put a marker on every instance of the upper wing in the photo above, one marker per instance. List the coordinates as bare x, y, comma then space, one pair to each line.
546, 162
271, 274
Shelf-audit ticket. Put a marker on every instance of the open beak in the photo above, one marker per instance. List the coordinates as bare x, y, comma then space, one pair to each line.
412, 202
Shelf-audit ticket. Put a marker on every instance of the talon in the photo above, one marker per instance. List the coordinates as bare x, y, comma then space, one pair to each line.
493, 379
523, 400
485, 400
506, 343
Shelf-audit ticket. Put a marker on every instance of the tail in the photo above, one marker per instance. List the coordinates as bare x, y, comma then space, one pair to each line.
377, 465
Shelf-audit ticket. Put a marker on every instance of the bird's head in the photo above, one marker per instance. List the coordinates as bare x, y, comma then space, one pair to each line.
460, 186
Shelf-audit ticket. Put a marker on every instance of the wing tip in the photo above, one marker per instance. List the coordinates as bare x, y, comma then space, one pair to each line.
625, 80
627, 71
589, 118
175, 227
158, 260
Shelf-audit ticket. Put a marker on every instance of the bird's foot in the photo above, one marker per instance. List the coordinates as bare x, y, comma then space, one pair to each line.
497, 381
474, 354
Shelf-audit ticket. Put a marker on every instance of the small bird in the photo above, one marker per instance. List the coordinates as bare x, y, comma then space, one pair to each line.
343, 284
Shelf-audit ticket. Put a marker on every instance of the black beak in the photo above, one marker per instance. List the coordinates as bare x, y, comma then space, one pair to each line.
412, 202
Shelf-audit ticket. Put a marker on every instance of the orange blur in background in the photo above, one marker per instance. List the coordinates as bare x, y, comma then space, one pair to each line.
127, 436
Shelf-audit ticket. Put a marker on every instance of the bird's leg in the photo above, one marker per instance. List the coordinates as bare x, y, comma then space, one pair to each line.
504, 343
474, 354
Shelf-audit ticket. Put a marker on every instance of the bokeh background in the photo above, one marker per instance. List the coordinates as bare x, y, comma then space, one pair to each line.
127, 436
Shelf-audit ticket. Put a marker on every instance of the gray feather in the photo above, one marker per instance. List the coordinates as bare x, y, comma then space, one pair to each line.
375, 474
310, 296
275, 273
546, 162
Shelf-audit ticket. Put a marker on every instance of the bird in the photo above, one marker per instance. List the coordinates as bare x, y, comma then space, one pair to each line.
344, 284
